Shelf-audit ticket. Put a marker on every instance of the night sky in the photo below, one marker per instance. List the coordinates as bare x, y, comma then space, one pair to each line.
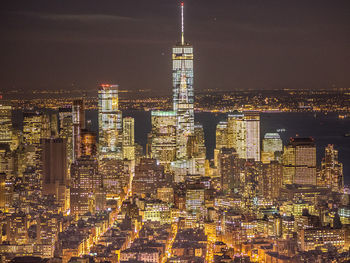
238, 44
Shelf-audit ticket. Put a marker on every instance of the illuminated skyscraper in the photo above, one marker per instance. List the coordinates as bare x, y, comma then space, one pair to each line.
331, 174
163, 137
221, 135
183, 96
226, 165
109, 122
78, 117
128, 138
86, 185
243, 134
271, 144
252, 120
66, 131
5, 123
299, 161
271, 182
221, 140
236, 133
36, 126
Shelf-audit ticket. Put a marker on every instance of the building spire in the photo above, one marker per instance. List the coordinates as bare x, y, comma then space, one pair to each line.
182, 24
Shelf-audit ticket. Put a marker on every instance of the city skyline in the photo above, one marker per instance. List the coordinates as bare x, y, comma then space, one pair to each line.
53, 46
219, 177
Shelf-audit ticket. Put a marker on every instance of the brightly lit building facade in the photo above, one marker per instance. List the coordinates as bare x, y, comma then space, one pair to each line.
243, 134
78, 118
128, 138
271, 145
109, 122
299, 161
36, 126
183, 96
331, 173
163, 137
252, 120
5, 123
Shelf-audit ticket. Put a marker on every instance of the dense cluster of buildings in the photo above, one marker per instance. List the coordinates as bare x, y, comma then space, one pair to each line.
68, 194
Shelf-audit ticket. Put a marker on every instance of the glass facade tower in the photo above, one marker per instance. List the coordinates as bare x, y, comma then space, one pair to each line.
109, 122
183, 96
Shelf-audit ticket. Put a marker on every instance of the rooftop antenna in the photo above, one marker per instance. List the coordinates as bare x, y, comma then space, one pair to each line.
182, 24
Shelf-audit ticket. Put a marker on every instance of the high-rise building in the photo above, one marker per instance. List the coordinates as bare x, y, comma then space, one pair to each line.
221, 140
36, 126
54, 159
88, 143
252, 120
54, 125
5, 123
226, 166
243, 134
3, 190
221, 135
109, 122
78, 118
331, 173
200, 149
86, 186
271, 182
128, 138
163, 137
299, 161
236, 133
271, 145
66, 130
183, 96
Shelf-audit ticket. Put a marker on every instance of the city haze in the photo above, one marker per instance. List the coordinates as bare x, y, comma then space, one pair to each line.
237, 44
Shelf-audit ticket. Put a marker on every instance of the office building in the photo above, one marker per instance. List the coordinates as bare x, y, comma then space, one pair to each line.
163, 137
252, 125
109, 122
271, 182
86, 186
36, 126
271, 146
243, 134
299, 161
331, 173
226, 167
5, 123
128, 138
66, 131
78, 119
55, 179
183, 96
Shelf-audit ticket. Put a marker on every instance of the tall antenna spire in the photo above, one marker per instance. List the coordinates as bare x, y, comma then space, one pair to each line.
182, 24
